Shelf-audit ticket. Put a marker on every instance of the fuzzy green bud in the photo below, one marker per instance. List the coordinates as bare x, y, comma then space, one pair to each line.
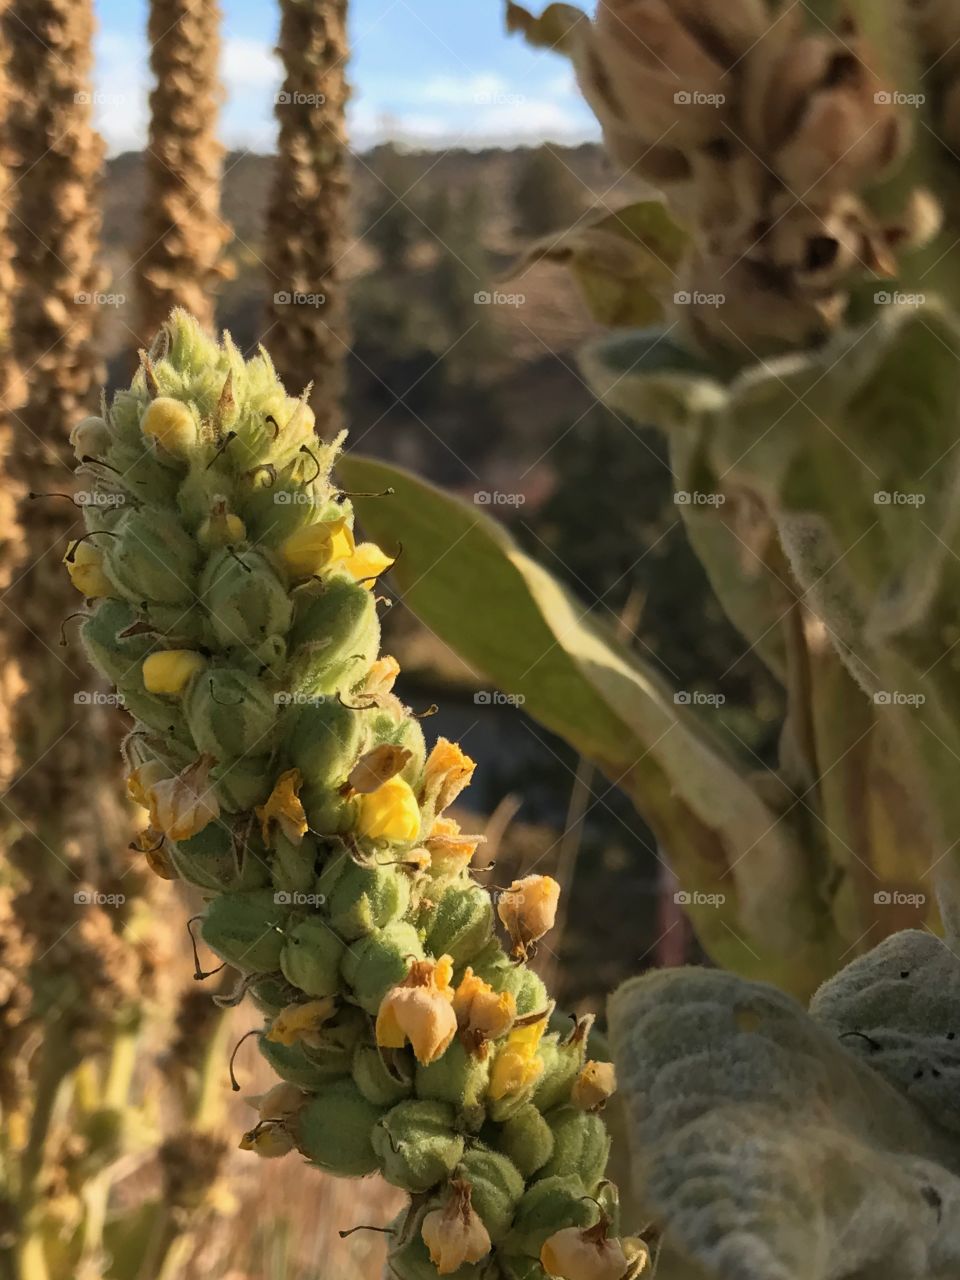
326, 1058
496, 1188
244, 598
151, 558
545, 1208
335, 637
230, 713
385, 1081
526, 1139
581, 1146
380, 961
334, 1130
245, 929
367, 898
461, 923
209, 860
458, 1077
417, 1145
311, 957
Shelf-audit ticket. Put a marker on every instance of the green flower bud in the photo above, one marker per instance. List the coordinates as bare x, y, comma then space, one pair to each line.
417, 1145
461, 923
116, 656
327, 1058
230, 714
367, 898
457, 1077
526, 1139
210, 860
495, 966
374, 1079
402, 731
245, 929
581, 1146
378, 962
562, 1064
273, 993
293, 865
244, 598
334, 1130
323, 743
546, 1207
155, 712
311, 957
242, 784
335, 637
90, 438
496, 1188
151, 558
520, 1267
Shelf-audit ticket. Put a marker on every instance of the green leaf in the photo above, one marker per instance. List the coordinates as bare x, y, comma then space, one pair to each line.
648, 376
465, 577
624, 263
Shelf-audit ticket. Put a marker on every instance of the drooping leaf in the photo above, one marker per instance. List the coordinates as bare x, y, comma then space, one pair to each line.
462, 573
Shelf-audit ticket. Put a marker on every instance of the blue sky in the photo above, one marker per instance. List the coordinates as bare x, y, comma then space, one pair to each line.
429, 72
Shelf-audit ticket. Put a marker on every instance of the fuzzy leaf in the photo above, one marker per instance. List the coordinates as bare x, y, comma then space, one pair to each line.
462, 573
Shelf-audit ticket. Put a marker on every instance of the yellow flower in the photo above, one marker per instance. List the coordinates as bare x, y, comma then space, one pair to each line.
141, 779
376, 767
316, 546
183, 805
420, 1009
482, 1013
528, 910
450, 850
171, 424
389, 813
595, 1084
171, 670
381, 677
283, 806
455, 1234
302, 1021
85, 567
268, 1140
445, 774
366, 563
518, 1065
221, 528
575, 1254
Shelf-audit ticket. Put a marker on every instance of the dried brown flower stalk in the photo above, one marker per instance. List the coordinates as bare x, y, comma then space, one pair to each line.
307, 223
184, 234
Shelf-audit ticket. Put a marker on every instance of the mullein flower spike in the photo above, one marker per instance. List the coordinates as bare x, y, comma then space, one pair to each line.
284, 777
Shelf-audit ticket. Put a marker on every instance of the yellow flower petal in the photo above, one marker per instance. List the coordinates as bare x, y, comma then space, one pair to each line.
301, 1021
381, 677
171, 424
518, 1065
455, 1234
528, 910
389, 813
420, 1009
450, 850
85, 567
575, 1254
317, 546
367, 563
482, 1013
376, 767
268, 1140
182, 806
596, 1083
283, 806
171, 670
445, 774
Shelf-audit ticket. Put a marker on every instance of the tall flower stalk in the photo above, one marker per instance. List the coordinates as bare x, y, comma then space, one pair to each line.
183, 232
232, 605
307, 219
